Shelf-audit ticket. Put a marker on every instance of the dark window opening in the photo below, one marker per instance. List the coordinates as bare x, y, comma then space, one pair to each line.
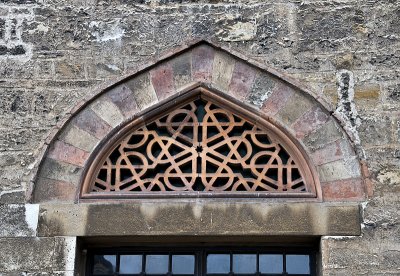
202, 262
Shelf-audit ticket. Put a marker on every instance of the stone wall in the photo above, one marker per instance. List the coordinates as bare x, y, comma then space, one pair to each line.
54, 53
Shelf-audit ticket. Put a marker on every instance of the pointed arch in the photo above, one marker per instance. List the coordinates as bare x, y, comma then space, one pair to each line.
288, 107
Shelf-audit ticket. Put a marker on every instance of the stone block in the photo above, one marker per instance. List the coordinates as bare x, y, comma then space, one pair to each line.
263, 87
66, 153
278, 98
12, 197
309, 121
107, 111
295, 107
143, 91
58, 170
338, 170
162, 78
182, 67
376, 129
90, 122
64, 254
69, 69
326, 134
222, 70
79, 138
330, 92
202, 63
24, 139
122, 97
218, 218
343, 190
26, 254
340, 149
324, 27
393, 92
50, 190
18, 220
370, 92
242, 80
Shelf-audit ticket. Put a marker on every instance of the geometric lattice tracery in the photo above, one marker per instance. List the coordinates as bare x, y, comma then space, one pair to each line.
199, 147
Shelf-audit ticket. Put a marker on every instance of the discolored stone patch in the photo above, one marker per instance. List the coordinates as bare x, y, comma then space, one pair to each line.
123, 98
51, 190
242, 80
163, 81
67, 153
222, 70
202, 63
143, 90
88, 121
281, 93
343, 190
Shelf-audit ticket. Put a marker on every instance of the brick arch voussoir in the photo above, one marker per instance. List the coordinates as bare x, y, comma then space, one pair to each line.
288, 104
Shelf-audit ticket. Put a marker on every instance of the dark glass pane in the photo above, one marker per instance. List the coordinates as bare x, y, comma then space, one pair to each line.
299, 264
104, 264
218, 263
271, 263
244, 263
130, 264
157, 264
183, 264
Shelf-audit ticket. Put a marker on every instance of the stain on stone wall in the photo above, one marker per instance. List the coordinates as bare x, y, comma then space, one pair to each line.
12, 21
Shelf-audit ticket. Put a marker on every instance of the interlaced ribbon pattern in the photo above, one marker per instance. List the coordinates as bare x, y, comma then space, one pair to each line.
199, 147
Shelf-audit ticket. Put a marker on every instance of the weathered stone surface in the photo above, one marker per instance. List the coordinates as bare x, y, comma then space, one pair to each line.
122, 97
58, 170
108, 111
24, 254
143, 91
163, 81
18, 220
222, 70
88, 121
263, 87
295, 107
342, 190
310, 121
46, 190
241, 83
67, 153
326, 134
182, 67
280, 95
79, 138
194, 218
377, 130
202, 63
39, 256
340, 169
340, 149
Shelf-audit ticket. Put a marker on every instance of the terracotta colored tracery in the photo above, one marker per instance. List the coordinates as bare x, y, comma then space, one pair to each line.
199, 147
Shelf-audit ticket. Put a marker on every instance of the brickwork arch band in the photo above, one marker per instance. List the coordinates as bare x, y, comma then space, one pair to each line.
172, 127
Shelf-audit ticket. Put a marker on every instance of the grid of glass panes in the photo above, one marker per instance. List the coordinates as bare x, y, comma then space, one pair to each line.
258, 264
203, 262
140, 264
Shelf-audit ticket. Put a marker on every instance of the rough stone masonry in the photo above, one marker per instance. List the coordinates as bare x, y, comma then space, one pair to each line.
53, 53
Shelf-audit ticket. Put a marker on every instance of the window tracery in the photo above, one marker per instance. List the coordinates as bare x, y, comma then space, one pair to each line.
201, 148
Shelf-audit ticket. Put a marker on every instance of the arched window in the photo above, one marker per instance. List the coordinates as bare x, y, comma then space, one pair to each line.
202, 145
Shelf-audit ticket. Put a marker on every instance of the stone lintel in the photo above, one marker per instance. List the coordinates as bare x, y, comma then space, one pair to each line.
199, 218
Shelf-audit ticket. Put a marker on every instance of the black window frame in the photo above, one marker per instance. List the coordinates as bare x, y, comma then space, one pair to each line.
200, 253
